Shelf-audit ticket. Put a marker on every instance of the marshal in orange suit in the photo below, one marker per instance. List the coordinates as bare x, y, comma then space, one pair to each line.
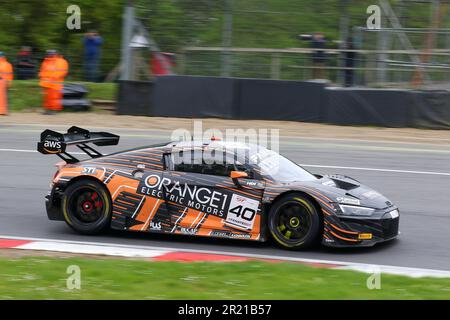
53, 70
6, 77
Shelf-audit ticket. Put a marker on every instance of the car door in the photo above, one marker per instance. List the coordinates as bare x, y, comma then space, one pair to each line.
205, 200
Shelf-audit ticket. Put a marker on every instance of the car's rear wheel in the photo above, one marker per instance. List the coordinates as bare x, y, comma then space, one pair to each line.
294, 222
86, 206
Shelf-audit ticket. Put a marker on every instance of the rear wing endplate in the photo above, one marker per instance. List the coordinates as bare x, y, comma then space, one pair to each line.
53, 142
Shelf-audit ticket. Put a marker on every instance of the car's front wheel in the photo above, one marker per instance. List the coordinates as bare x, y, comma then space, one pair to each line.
86, 206
294, 222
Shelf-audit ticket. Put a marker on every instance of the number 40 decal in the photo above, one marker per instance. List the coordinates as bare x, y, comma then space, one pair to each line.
243, 212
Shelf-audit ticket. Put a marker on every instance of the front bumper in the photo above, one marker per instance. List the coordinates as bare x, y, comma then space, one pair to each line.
359, 231
53, 205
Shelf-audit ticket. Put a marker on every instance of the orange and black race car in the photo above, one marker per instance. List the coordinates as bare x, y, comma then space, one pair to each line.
212, 189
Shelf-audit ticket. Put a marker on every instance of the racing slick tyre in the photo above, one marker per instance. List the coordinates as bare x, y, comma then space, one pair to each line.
86, 206
294, 222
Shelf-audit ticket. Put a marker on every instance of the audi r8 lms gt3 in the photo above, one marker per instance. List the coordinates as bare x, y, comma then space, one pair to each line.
213, 189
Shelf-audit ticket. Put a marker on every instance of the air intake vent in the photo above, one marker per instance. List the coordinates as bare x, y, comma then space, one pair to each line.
344, 184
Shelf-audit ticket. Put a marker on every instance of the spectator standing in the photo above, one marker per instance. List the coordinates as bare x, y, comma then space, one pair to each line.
6, 70
319, 57
53, 70
6, 77
25, 65
92, 42
318, 44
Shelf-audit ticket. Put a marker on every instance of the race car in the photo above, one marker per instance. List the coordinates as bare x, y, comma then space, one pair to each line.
210, 188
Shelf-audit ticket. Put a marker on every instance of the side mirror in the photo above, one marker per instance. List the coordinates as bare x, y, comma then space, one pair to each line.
238, 174
235, 175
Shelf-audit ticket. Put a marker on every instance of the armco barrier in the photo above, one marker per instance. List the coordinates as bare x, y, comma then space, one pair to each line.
184, 96
233, 98
432, 110
388, 108
135, 98
377, 107
280, 100
228, 98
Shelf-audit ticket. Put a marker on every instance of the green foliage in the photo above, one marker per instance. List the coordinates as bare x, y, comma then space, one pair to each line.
42, 25
175, 24
25, 94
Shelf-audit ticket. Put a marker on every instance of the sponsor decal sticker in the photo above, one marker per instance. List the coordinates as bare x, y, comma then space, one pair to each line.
89, 170
364, 236
242, 212
372, 194
51, 146
155, 226
203, 199
253, 183
345, 200
191, 231
227, 234
329, 183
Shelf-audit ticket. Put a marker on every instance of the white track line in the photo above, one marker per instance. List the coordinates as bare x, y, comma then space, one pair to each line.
18, 150
92, 249
31, 151
167, 133
141, 250
377, 169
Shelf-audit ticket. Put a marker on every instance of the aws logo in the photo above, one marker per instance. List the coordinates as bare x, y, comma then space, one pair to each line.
51, 146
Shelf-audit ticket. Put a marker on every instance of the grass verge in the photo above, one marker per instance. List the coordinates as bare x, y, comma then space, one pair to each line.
45, 278
26, 94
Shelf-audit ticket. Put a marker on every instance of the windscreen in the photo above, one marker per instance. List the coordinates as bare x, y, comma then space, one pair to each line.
276, 167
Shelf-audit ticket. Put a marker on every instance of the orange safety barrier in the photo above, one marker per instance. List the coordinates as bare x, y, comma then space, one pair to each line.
3, 97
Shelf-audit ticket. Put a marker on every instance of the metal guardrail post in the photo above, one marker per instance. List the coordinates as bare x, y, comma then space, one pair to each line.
343, 36
227, 35
275, 66
127, 34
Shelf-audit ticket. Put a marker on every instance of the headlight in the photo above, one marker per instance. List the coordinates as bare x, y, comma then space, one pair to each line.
355, 210
393, 214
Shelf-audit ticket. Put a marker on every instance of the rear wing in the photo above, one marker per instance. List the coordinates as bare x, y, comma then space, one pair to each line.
53, 142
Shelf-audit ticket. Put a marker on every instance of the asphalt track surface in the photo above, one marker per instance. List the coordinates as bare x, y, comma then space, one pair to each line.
414, 176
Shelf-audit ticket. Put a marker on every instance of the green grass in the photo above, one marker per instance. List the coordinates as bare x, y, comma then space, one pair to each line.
101, 91
26, 94
45, 278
